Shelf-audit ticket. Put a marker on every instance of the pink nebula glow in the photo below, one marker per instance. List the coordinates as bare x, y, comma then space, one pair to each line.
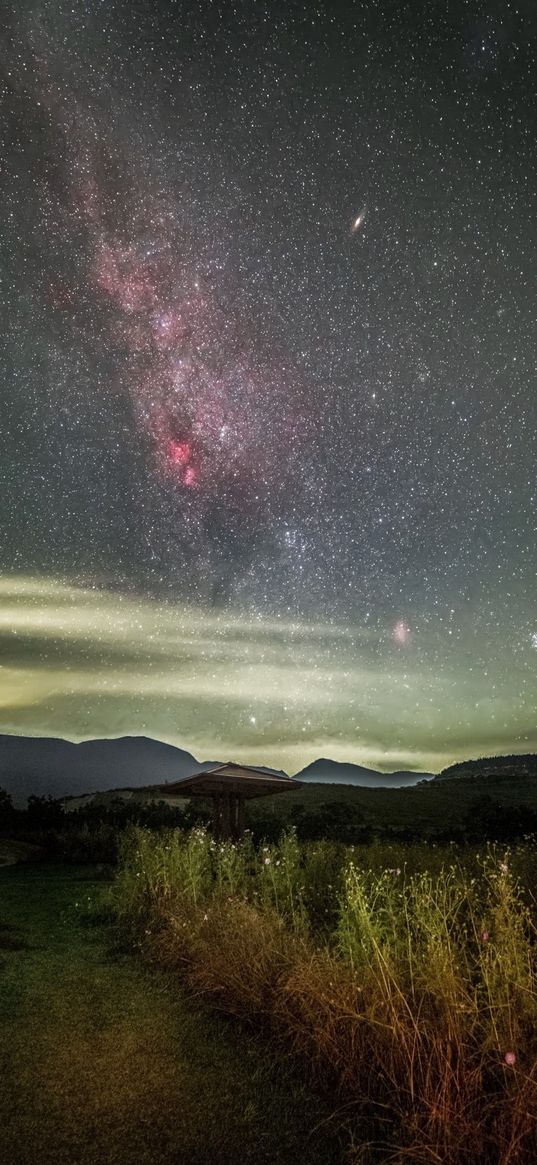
401, 632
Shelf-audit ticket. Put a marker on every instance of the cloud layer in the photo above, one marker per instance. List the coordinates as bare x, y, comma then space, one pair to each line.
81, 663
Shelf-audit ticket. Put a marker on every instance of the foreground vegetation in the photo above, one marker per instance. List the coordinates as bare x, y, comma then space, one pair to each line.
471, 807
403, 977
103, 1061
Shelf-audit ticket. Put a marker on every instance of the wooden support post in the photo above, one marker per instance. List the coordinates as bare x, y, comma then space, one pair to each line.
226, 816
240, 816
236, 829
217, 817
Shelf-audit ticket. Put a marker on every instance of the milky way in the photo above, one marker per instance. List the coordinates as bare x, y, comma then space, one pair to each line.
269, 341
221, 418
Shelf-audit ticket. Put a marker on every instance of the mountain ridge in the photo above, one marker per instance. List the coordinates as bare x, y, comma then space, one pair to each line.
53, 766
332, 772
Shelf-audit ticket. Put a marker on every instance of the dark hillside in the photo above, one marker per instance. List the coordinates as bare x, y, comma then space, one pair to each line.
432, 809
514, 766
55, 767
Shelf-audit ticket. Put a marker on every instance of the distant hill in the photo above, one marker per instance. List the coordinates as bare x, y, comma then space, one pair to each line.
49, 766
524, 765
332, 772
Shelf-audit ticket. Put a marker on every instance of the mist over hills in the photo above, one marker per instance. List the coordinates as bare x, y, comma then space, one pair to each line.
49, 766
332, 772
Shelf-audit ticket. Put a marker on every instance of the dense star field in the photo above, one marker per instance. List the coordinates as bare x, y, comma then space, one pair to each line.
268, 404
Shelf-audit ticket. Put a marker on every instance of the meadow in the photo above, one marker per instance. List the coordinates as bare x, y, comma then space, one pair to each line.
105, 1060
402, 977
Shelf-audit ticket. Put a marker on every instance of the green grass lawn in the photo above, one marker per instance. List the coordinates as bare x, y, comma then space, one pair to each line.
104, 1062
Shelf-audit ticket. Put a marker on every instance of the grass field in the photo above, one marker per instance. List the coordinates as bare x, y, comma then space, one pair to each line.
104, 1062
406, 977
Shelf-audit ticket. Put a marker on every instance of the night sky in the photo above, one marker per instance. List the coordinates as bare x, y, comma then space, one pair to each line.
268, 376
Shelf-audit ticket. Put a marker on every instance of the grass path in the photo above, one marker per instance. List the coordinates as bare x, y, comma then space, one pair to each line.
105, 1063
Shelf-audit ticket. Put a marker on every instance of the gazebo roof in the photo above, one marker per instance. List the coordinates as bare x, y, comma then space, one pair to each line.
232, 778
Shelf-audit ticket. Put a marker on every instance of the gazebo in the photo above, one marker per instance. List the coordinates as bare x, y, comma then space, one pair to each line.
228, 786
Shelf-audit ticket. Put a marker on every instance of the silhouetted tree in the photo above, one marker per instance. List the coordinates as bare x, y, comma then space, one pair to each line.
8, 813
489, 820
44, 812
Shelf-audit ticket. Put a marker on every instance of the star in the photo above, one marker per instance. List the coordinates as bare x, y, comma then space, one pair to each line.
267, 380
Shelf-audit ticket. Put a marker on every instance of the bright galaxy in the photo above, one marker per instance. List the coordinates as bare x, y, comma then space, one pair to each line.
268, 398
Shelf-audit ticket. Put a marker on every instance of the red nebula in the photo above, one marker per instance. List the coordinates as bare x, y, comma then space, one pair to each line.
179, 452
178, 461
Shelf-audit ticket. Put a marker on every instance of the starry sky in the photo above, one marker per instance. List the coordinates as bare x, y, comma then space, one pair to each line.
268, 396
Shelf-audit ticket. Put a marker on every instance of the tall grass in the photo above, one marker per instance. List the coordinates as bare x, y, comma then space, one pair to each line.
410, 990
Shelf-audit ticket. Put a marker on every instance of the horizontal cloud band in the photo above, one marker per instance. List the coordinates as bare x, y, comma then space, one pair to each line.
79, 663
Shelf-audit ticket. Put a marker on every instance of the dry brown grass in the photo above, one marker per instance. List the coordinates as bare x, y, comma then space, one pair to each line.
423, 1095
423, 1030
